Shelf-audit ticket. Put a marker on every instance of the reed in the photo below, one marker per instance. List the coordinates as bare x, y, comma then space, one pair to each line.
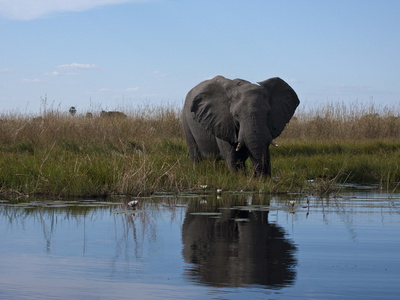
145, 152
345, 122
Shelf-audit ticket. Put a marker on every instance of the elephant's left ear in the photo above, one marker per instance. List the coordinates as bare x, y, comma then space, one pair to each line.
211, 109
283, 102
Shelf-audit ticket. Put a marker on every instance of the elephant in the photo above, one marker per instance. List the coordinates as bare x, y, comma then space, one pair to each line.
235, 119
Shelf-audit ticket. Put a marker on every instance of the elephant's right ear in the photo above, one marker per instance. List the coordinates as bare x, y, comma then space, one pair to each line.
283, 102
211, 108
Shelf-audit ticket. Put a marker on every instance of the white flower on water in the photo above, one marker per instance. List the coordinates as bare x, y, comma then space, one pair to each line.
133, 203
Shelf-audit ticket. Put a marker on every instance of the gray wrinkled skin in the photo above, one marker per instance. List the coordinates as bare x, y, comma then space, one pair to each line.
235, 119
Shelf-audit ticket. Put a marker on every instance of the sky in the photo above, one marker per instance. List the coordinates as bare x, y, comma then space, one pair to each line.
123, 54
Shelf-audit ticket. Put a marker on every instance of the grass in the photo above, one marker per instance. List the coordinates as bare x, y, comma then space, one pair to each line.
145, 152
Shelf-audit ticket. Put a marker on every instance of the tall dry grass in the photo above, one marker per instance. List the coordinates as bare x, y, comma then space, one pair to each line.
142, 127
345, 122
145, 152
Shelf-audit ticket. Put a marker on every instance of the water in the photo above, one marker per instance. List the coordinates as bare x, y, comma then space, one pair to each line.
246, 246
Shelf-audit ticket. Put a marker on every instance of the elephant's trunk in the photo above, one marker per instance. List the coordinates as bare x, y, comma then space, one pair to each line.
261, 160
257, 139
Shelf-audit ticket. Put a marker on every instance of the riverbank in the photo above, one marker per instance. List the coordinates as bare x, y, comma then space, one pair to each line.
144, 152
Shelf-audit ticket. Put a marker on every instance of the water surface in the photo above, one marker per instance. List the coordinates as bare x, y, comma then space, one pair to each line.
203, 247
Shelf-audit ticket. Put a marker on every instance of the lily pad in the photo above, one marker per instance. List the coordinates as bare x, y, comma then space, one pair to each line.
26, 205
206, 214
241, 220
163, 195
36, 204
106, 203
91, 205
254, 207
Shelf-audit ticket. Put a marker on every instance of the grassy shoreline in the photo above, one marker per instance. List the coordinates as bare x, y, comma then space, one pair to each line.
145, 152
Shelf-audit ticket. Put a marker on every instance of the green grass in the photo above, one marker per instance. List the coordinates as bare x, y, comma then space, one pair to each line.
145, 153
363, 162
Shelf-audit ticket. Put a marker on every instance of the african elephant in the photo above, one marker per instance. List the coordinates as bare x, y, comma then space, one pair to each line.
235, 119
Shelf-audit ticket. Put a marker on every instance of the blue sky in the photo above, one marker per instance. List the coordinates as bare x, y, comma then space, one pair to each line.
116, 54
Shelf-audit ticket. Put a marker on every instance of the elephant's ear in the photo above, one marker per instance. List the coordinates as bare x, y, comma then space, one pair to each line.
283, 102
211, 108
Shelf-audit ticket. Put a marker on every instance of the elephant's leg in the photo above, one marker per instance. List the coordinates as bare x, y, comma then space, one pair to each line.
200, 143
193, 150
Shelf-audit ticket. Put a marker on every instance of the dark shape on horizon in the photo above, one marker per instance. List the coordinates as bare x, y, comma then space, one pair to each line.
72, 110
112, 114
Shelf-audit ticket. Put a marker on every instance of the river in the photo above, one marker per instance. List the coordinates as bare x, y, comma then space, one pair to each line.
211, 246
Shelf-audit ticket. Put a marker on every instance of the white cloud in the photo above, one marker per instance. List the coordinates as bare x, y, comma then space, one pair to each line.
159, 73
33, 9
4, 70
77, 66
31, 80
54, 73
132, 89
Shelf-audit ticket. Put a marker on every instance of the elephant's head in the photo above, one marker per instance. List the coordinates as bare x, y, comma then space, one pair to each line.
246, 115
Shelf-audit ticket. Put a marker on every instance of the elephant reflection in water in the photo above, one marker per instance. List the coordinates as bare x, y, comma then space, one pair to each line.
225, 252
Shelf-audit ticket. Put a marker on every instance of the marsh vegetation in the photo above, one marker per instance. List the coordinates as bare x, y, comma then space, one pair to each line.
145, 152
